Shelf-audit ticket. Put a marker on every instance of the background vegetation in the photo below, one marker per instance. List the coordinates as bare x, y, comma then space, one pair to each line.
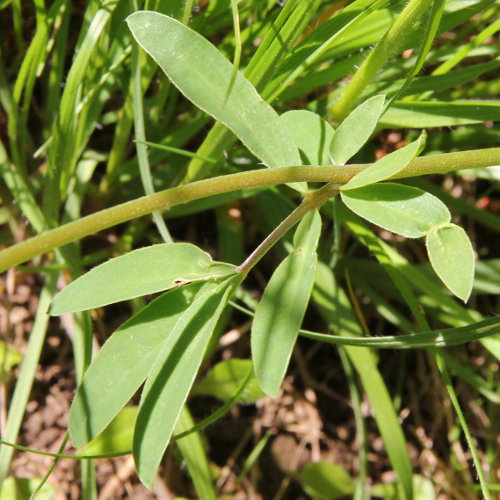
79, 99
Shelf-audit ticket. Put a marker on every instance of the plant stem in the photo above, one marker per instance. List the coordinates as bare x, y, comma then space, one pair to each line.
311, 202
43, 243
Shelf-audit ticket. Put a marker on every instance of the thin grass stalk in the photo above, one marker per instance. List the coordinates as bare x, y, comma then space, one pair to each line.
27, 374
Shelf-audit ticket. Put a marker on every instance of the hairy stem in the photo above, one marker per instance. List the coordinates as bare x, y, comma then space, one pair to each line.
163, 200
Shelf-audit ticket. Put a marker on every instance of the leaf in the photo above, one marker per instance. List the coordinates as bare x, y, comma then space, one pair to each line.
195, 457
140, 272
203, 75
116, 437
423, 489
356, 129
436, 83
281, 309
435, 338
440, 113
124, 362
334, 306
324, 480
225, 377
452, 257
22, 488
388, 166
403, 210
172, 375
9, 357
312, 134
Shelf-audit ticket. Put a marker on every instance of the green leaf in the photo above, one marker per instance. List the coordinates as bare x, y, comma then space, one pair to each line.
452, 257
203, 74
140, 272
223, 380
440, 113
423, 489
9, 357
116, 437
335, 307
356, 129
282, 307
326, 481
404, 210
195, 457
435, 338
124, 362
388, 166
22, 488
172, 375
312, 134
436, 83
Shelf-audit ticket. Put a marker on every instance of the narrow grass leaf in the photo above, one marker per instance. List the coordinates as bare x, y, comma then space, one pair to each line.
223, 380
237, 48
312, 134
440, 113
336, 309
388, 166
437, 83
26, 376
124, 362
140, 272
203, 75
334, 36
432, 26
140, 135
356, 129
403, 210
194, 455
172, 375
452, 257
436, 338
282, 307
